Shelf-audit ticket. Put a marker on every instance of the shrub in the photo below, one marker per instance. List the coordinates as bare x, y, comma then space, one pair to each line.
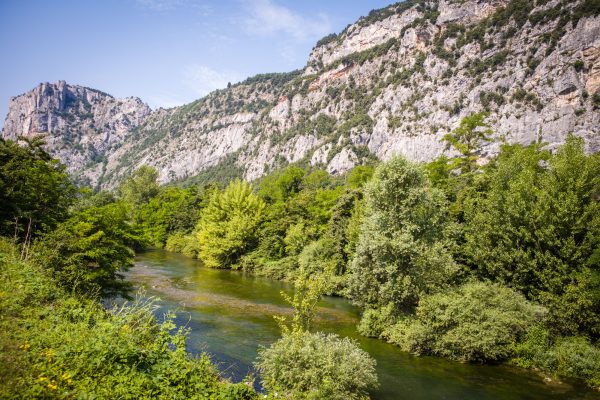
304, 365
180, 242
410, 335
475, 322
374, 321
572, 356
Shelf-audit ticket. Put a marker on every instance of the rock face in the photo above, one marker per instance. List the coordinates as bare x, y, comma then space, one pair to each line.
82, 125
395, 82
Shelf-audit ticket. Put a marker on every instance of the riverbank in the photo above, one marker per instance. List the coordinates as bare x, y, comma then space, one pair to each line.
55, 344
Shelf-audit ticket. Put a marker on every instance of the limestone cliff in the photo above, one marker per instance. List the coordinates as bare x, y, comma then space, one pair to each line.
394, 82
82, 125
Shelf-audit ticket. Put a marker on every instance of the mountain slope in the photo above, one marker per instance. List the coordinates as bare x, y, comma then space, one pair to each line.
82, 125
394, 82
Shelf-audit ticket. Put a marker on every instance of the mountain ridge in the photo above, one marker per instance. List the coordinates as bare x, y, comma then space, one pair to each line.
394, 82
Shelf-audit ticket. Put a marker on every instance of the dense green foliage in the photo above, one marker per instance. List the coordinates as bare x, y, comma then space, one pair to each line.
57, 345
402, 251
480, 263
172, 210
572, 356
57, 339
475, 322
35, 191
537, 229
88, 251
228, 224
140, 187
515, 242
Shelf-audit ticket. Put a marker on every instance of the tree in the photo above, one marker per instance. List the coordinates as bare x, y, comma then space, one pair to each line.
172, 210
140, 187
471, 133
537, 229
89, 251
35, 190
359, 176
228, 225
403, 249
281, 185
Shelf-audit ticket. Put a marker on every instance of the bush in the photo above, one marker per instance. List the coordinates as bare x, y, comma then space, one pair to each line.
476, 322
572, 356
410, 335
374, 321
180, 242
304, 365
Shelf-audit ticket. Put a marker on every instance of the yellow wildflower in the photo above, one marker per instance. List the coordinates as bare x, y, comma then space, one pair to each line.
49, 354
25, 346
52, 386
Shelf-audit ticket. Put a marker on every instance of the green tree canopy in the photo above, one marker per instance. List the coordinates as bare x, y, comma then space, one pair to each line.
172, 210
537, 229
402, 250
140, 187
35, 190
471, 133
89, 251
228, 225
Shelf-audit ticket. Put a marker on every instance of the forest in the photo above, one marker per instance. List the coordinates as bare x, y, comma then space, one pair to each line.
480, 260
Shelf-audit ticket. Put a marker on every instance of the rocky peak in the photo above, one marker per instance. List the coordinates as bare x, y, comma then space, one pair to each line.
81, 124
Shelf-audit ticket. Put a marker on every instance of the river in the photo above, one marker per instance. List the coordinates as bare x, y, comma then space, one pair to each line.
230, 315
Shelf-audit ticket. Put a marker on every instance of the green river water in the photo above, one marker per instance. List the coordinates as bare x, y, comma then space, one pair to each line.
231, 314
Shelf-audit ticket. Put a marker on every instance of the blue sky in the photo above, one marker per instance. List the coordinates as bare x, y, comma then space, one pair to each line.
167, 52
